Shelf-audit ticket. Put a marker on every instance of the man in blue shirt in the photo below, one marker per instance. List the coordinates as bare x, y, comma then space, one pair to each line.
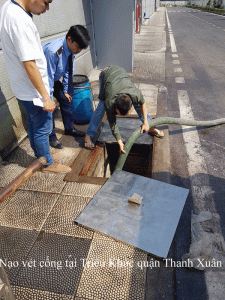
60, 54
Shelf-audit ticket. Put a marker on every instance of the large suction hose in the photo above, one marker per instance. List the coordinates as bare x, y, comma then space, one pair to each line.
159, 121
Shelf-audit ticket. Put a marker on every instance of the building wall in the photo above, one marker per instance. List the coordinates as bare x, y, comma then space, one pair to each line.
114, 32
53, 24
178, 3
148, 8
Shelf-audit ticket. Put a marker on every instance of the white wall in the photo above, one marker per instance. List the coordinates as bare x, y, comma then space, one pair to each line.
148, 8
179, 3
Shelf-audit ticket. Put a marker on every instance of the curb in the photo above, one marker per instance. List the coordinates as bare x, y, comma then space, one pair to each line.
161, 147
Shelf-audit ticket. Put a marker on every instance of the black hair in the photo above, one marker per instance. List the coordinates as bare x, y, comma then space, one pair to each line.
123, 103
79, 34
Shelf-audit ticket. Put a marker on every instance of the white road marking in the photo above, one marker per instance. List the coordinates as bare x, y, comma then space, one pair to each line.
172, 41
177, 70
174, 55
179, 80
202, 194
176, 62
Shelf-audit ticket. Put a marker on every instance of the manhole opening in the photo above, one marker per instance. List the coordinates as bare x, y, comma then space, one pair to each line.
139, 160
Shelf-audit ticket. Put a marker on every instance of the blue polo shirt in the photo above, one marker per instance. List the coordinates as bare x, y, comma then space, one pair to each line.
57, 55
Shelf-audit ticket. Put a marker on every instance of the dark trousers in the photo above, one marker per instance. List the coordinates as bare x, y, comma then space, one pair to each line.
65, 107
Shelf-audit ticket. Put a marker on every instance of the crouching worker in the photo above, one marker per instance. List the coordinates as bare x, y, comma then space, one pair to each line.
60, 54
117, 94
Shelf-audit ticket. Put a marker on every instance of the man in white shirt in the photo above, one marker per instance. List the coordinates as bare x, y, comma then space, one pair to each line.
27, 69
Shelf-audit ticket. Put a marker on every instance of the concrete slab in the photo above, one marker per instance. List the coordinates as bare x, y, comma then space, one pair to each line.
149, 66
155, 41
112, 271
58, 264
150, 226
126, 126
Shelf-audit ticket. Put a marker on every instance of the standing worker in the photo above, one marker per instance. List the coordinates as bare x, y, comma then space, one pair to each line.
60, 54
117, 95
27, 69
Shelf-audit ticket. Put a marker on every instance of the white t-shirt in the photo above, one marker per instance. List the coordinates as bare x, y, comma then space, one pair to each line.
21, 42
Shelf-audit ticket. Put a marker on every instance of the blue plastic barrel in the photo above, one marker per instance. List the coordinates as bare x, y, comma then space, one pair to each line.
82, 102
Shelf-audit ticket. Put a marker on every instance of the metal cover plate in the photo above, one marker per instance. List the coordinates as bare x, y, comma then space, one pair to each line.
126, 126
150, 226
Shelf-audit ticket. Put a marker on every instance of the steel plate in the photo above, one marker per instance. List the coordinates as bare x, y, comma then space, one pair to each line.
150, 226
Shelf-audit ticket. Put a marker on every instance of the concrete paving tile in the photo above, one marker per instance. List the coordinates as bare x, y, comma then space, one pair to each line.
44, 182
32, 294
80, 189
15, 246
23, 154
69, 152
57, 264
61, 218
112, 271
4, 203
27, 209
39, 181
9, 172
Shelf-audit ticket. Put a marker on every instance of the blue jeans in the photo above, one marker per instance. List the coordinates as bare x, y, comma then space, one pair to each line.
98, 114
39, 128
65, 108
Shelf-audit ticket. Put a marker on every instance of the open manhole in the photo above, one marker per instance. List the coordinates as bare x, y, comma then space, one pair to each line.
139, 160
90, 166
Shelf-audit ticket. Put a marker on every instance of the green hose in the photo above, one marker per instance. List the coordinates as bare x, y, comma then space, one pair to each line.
159, 121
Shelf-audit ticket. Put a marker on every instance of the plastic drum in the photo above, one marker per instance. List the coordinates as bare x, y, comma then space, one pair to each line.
82, 102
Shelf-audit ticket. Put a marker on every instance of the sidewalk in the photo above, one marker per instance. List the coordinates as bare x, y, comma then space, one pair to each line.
47, 256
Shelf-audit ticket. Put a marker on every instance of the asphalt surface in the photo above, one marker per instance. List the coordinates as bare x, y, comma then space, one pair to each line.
200, 45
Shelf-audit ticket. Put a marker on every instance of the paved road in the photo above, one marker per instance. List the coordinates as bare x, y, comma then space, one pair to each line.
195, 79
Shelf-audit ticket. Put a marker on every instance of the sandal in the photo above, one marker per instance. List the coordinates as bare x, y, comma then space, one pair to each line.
158, 133
89, 145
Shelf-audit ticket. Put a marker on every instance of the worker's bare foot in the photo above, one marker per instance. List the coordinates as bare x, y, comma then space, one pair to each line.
156, 132
88, 143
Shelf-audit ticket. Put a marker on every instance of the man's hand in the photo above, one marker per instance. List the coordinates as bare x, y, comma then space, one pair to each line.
145, 127
49, 105
35, 77
121, 145
69, 98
